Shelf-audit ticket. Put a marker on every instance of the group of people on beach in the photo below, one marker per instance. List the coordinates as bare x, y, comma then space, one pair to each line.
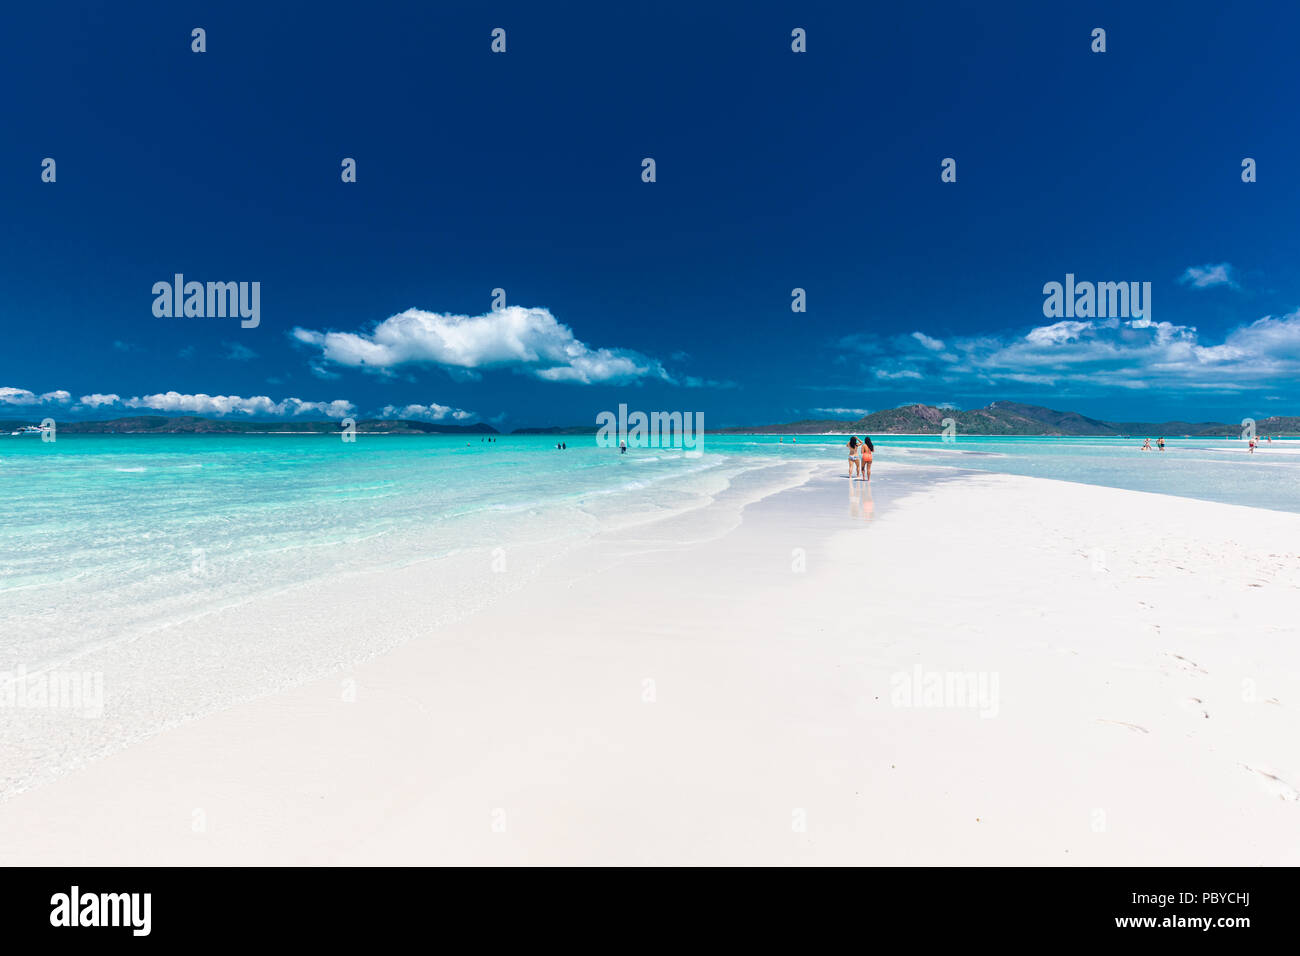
1160, 443
860, 455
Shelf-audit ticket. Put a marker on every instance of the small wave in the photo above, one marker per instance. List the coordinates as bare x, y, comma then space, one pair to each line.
130, 470
960, 451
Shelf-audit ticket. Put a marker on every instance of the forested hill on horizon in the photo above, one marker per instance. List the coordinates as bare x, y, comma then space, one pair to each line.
998, 418
1013, 418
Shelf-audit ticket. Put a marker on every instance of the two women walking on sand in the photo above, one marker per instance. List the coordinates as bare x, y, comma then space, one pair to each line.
860, 455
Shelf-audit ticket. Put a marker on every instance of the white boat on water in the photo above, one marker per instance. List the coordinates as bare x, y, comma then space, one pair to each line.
28, 430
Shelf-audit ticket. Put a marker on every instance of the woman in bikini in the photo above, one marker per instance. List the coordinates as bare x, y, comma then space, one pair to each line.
867, 450
853, 456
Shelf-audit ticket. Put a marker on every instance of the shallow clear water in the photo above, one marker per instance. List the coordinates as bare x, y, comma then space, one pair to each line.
100, 534
92, 524
183, 573
1208, 468
135, 558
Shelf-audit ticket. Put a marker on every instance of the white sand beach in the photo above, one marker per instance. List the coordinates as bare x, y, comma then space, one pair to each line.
738, 697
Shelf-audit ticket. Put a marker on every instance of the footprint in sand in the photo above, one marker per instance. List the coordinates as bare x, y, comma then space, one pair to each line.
1119, 723
1190, 666
1274, 784
1195, 704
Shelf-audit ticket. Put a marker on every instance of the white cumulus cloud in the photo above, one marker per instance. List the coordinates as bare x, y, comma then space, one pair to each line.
17, 396
23, 396
432, 412
201, 404
1136, 354
1207, 276
98, 399
527, 340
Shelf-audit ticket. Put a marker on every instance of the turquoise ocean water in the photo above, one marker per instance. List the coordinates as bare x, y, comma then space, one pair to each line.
115, 549
119, 530
103, 520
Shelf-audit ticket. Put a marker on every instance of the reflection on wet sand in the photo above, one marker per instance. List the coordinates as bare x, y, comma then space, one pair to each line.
860, 503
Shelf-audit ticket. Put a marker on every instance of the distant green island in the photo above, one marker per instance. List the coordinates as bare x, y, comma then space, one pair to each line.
997, 418
1013, 418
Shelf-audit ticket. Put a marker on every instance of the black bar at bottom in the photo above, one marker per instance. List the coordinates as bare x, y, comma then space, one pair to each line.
911, 906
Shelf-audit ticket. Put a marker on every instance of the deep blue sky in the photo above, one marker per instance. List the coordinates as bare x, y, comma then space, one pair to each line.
775, 170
